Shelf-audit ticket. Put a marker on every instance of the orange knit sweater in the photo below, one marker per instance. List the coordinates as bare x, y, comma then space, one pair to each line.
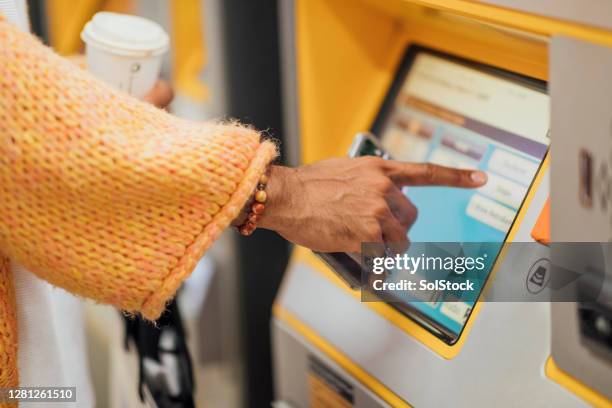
103, 195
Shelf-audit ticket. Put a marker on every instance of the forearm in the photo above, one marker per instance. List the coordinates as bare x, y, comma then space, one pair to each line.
105, 195
335, 205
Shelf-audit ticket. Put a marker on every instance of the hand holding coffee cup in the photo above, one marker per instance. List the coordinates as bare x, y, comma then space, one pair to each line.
125, 51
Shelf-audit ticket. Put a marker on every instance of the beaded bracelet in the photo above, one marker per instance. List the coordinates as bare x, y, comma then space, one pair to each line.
258, 206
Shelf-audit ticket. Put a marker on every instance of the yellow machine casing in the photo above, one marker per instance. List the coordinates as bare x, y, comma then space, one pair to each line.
346, 56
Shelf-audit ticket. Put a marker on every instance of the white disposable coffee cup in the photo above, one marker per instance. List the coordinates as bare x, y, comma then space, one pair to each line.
125, 51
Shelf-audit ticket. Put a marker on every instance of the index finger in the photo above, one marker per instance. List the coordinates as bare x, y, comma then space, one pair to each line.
428, 174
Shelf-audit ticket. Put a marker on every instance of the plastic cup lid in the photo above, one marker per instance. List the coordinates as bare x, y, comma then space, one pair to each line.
124, 34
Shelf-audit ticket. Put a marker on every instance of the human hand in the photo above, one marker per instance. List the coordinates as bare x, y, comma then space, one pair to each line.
160, 95
335, 205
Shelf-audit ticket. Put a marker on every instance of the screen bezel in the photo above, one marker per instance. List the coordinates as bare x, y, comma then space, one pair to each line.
350, 270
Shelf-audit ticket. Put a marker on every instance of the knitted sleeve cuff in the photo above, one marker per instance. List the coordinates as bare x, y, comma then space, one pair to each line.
154, 305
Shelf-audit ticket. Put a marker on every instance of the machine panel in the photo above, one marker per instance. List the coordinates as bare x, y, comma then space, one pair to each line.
347, 54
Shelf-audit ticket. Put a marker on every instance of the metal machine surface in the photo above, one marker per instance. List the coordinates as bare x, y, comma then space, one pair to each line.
582, 332
329, 347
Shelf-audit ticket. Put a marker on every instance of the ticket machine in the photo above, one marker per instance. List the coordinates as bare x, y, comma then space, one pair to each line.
473, 84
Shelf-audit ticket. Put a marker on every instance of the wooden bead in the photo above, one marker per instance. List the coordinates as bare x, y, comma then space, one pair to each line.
248, 228
246, 232
261, 196
258, 208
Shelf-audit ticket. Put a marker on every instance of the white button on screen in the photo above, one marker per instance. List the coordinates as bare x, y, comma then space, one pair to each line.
490, 212
513, 166
504, 190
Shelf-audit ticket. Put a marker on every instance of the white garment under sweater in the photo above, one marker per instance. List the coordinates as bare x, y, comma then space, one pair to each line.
52, 344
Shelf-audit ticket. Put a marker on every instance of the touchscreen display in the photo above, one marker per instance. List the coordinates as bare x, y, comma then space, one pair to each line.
457, 114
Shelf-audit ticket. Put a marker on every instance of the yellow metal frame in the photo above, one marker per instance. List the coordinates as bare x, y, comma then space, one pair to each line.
339, 358
519, 20
591, 396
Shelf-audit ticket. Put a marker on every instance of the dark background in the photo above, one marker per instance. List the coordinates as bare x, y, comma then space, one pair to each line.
254, 96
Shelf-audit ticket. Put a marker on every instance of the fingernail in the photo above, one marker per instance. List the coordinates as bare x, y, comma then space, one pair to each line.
479, 177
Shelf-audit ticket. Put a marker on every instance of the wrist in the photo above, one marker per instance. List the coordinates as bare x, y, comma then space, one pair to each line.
250, 214
280, 208
280, 204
